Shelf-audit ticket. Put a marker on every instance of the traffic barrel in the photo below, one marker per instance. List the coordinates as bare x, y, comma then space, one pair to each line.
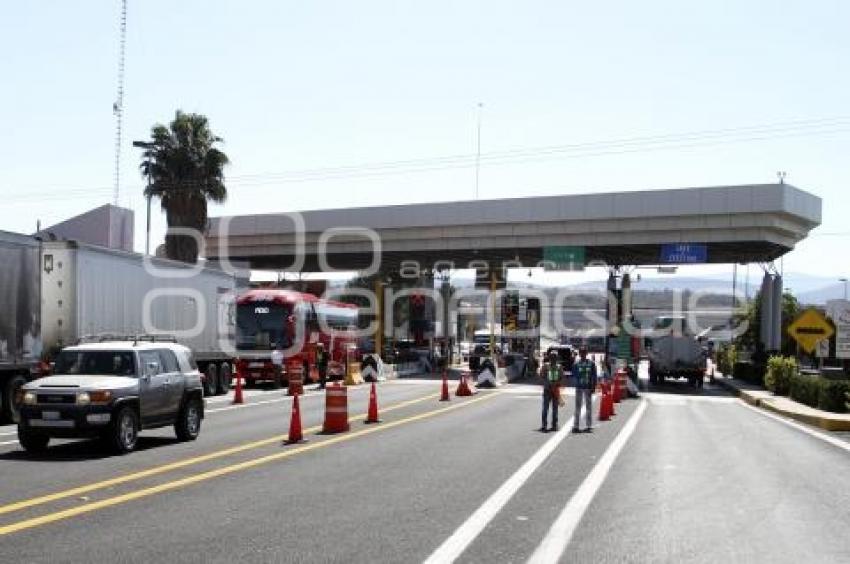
336, 409
445, 395
372, 416
237, 395
296, 434
622, 376
295, 384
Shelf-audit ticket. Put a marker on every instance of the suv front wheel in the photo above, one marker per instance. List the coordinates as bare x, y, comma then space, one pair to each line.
124, 431
188, 424
32, 442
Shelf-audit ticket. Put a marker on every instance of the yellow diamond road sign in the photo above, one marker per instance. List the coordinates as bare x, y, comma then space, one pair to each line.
810, 328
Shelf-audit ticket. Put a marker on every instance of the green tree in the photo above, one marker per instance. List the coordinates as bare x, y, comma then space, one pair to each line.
186, 171
752, 316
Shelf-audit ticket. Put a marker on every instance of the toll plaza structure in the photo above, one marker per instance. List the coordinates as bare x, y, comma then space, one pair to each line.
755, 223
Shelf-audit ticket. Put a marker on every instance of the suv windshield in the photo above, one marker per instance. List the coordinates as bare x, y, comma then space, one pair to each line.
95, 363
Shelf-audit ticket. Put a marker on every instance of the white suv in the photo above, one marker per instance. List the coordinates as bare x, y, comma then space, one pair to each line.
112, 390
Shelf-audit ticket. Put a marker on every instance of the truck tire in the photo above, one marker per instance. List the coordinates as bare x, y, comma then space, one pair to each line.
10, 409
225, 378
188, 424
31, 441
211, 380
123, 431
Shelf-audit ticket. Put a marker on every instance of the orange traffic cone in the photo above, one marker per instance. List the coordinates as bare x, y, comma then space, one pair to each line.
603, 404
610, 401
463, 389
445, 395
237, 395
372, 416
296, 435
616, 393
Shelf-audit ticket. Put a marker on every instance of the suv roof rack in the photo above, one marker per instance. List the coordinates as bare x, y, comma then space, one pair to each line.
105, 337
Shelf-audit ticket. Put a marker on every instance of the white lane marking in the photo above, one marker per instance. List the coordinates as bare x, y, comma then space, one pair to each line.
262, 402
9, 443
800, 427
9, 434
556, 540
454, 546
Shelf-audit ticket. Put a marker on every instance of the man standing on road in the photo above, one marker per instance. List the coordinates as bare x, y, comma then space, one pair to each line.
322, 364
551, 372
277, 366
586, 377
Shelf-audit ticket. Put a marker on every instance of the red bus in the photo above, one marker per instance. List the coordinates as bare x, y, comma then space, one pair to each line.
270, 318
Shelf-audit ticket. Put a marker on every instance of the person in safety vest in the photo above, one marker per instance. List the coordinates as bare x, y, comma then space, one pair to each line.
322, 361
277, 365
551, 373
584, 371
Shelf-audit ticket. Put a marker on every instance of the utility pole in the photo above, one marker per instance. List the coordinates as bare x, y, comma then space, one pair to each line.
734, 293
478, 150
118, 105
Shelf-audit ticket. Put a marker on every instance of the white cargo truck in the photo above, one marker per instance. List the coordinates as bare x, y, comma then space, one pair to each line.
675, 352
93, 291
54, 293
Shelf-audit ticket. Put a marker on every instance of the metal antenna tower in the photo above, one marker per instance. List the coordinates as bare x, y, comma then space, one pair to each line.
118, 105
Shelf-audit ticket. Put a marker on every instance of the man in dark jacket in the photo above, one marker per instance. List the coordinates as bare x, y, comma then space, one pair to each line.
322, 361
584, 372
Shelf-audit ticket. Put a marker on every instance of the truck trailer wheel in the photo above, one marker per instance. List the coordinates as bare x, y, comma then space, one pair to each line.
8, 401
224, 379
210, 380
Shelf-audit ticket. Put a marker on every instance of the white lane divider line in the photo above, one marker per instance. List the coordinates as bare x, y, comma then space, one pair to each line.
9, 443
454, 546
248, 404
800, 427
556, 540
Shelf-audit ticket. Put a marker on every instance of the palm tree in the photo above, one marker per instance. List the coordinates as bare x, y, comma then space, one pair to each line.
185, 170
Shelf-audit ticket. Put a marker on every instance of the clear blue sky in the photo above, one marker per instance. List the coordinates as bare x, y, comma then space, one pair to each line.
305, 85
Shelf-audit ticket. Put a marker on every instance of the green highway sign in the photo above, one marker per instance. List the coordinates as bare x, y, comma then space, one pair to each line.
563, 258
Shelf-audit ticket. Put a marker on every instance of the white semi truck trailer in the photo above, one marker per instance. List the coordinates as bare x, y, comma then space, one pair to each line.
54, 293
20, 317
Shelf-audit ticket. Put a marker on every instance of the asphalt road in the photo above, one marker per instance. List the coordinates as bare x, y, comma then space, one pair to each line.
674, 477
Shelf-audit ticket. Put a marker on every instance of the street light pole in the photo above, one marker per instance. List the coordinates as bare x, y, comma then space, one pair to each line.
147, 145
845, 287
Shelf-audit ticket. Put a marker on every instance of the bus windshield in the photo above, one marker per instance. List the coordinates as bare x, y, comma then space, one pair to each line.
263, 326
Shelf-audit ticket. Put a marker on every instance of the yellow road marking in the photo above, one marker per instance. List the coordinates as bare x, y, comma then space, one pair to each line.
27, 503
223, 471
